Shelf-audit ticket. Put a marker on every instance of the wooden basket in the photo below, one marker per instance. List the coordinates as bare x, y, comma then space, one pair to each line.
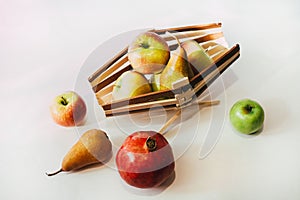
208, 36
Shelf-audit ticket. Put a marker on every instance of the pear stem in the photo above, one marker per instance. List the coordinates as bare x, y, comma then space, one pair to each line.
179, 44
54, 173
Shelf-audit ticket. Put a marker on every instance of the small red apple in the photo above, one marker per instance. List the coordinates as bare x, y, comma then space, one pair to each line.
145, 159
68, 109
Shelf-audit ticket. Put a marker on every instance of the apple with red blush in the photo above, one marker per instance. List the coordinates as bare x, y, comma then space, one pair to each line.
148, 53
68, 109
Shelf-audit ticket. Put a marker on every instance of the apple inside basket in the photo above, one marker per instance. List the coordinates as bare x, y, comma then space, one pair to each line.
210, 38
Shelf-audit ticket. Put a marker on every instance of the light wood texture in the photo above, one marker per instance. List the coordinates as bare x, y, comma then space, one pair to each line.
170, 121
115, 67
108, 64
141, 106
190, 28
201, 39
215, 73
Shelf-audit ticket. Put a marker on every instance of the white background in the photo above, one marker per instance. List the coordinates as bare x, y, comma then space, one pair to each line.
43, 45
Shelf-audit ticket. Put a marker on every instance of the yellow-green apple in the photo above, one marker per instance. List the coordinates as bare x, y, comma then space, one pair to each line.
148, 53
68, 109
196, 55
130, 84
247, 116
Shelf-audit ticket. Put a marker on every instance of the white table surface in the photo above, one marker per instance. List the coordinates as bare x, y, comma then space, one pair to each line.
43, 48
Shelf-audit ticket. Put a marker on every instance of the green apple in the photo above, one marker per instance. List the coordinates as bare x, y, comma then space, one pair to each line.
247, 116
130, 84
148, 53
196, 55
68, 109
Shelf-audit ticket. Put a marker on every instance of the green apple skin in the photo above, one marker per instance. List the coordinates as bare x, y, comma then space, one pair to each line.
130, 84
247, 116
148, 53
155, 82
197, 56
68, 109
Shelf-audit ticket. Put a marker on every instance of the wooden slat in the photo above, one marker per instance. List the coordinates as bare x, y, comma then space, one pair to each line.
107, 98
208, 37
110, 79
209, 44
101, 93
142, 106
166, 108
110, 70
108, 64
213, 74
214, 78
219, 55
190, 28
106, 90
178, 113
216, 49
232, 55
153, 96
100, 100
199, 77
184, 35
200, 39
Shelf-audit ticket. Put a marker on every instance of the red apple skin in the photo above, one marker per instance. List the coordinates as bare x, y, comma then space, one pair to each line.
141, 167
72, 113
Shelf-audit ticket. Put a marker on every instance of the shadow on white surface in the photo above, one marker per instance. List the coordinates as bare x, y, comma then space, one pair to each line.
280, 114
90, 167
253, 135
217, 121
150, 191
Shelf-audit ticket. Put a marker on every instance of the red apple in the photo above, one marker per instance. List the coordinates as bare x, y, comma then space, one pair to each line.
148, 53
68, 109
145, 159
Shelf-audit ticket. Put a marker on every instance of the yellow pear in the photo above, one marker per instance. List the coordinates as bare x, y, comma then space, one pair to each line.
196, 55
92, 147
177, 68
155, 82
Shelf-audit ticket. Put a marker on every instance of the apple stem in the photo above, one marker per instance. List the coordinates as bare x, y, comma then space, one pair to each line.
54, 173
249, 108
144, 45
179, 44
64, 101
